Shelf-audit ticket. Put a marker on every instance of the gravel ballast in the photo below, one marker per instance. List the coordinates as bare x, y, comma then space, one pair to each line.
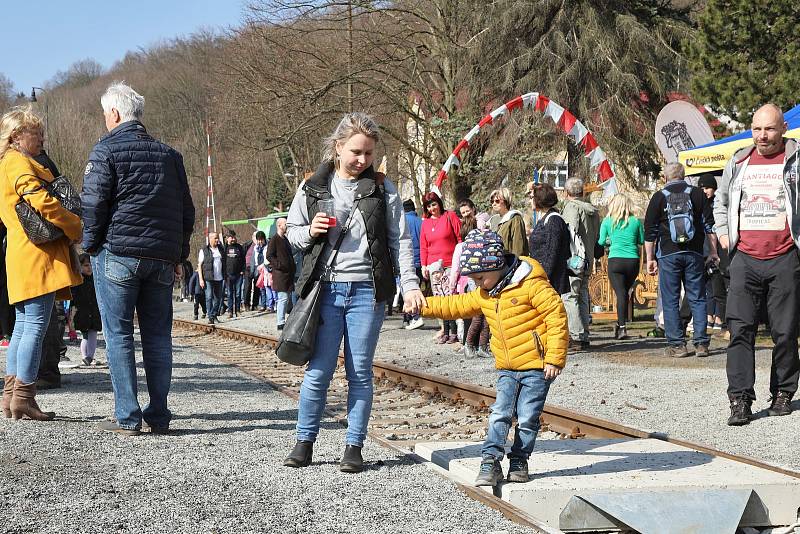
220, 471
630, 382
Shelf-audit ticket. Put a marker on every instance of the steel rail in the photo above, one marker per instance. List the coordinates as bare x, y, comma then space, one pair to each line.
567, 422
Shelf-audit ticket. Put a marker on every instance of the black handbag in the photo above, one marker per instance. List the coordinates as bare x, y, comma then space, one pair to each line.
299, 334
38, 229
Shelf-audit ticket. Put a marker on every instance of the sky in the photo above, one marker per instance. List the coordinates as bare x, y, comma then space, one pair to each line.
48, 36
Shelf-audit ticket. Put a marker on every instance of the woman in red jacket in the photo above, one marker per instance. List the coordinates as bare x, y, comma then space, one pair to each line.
437, 240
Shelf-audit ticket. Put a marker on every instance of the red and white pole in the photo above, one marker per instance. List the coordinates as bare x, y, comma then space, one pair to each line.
211, 214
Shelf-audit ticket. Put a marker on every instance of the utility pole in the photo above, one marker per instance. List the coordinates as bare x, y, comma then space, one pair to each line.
349, 55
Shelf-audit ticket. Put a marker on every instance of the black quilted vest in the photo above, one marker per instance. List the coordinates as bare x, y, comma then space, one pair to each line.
208, 262
372, 205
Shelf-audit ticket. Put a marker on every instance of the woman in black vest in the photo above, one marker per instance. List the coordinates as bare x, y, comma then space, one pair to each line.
346, 192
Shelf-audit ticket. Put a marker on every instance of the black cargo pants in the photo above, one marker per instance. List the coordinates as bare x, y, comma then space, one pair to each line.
753, 282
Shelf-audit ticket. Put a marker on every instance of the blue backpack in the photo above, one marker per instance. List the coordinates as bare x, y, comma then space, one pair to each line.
680, 215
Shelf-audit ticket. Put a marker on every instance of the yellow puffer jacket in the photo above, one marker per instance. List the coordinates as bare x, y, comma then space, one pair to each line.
527, 320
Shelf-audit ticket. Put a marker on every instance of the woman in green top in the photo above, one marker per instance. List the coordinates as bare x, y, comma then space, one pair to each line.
623, 231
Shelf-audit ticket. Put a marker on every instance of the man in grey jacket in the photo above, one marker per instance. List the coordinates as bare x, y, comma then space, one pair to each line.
582, 217
757, 220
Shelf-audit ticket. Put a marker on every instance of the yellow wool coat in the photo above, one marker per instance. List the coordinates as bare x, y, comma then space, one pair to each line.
527, 320
35, 270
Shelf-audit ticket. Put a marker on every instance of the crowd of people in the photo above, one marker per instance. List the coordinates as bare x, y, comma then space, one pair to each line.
510, 284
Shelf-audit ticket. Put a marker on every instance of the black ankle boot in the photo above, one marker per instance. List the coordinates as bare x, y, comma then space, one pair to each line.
300, 455
351, 460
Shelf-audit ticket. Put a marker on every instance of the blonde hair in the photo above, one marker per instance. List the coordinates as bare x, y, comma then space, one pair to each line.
504, 193
620, 209
350, 125
14, 121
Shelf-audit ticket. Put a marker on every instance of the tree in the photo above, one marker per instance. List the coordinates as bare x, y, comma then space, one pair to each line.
745, 54
609, 62
6, 92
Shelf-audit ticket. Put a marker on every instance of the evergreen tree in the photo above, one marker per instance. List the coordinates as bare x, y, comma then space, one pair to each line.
746, 54
610, 62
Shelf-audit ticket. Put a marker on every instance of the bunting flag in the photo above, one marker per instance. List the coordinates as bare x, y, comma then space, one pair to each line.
561, 117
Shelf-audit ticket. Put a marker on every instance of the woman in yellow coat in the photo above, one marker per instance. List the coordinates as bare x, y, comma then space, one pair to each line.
37, 274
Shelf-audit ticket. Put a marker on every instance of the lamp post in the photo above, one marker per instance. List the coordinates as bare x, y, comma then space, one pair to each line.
34, 99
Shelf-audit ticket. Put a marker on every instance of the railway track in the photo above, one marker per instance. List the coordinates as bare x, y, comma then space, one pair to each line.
410, 406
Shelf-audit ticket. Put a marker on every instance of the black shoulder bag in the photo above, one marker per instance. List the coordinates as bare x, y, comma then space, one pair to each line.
38, 229
299, 334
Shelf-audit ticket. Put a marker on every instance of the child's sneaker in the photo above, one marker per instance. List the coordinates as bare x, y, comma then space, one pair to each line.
4, 343
517, 470
490, 473
86, 361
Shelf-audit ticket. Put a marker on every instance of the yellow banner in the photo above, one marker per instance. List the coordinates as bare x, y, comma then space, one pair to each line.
714, 158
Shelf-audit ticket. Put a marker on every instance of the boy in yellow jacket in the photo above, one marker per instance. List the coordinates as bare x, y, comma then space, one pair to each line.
529, 341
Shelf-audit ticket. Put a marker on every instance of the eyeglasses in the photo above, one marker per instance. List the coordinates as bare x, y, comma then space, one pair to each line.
431, 204
497, 200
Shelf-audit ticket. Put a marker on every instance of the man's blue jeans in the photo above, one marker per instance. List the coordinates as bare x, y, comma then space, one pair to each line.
348, 311
124, 284
685, 268
214, 293
520, 393
283, 304
234, 290
25, 348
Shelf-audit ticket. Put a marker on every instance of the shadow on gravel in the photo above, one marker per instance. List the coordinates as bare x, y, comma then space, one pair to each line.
401, 461
230, 429
178, 365
282, 415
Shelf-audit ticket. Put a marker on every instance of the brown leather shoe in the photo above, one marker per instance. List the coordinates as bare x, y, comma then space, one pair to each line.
23, 404
8, 393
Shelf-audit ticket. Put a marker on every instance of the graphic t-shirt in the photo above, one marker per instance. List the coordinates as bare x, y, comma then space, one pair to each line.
763, 225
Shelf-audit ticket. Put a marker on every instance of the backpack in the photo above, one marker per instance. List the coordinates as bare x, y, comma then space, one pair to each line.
576, 263
680, 215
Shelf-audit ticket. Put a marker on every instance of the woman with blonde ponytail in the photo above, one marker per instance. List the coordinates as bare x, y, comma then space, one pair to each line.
624, 233
37, 274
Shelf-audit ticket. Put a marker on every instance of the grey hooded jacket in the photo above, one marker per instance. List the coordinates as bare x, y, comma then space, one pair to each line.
729, 194
584, 218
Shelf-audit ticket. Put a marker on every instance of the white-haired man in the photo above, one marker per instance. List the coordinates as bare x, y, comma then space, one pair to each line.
582, 217
138, 217
677, 221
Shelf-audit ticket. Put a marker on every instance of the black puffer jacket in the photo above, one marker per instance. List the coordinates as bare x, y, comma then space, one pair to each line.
87, 312
135, 197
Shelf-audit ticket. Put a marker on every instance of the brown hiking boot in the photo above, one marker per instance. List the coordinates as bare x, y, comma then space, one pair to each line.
701, 351
676, 352
781, 404
23, 404
8, 392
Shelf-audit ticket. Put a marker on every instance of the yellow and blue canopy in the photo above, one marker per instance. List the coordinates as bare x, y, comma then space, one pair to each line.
713, 156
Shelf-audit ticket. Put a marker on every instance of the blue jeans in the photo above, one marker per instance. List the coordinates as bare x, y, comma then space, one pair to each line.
124, 284
522, 393
268, 298
348, 311
25, 348
688, 269
214, 292
283, 304
233, 285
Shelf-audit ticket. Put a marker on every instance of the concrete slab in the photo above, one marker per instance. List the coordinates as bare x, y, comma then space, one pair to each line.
586, 468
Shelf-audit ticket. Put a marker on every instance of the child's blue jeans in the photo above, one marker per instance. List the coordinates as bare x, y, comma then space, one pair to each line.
522, 393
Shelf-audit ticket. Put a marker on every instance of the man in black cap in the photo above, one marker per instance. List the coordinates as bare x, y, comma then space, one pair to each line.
718, 277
